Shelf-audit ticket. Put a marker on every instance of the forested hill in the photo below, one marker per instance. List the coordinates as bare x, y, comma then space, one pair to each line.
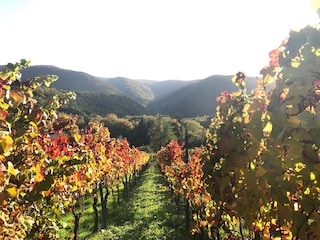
124, 96
70, 80
197, 98
134, 89
94, 96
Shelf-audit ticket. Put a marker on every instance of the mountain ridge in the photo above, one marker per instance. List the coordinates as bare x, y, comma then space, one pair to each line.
182, 98
200, 95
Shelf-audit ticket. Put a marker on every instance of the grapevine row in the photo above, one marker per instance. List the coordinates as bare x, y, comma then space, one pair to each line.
257, 175
48, 165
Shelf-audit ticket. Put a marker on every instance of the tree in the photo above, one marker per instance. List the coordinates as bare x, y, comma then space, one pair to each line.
161, 132
196, 132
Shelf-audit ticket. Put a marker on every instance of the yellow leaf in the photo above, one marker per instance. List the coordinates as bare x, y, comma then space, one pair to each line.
39, 175
275, 204
267, 129
75, 188
312, 176
33, 134
195, 217
12, 191
6, 143
258, 226
246, 107
295, 63
4, 105
268, 79
77, 137
316, 51
299, 166
252, 166
11, 170
66, 203
5, 75
307, 191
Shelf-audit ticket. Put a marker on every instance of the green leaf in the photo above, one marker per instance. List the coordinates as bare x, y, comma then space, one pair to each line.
309, 120
45, 185
260, 171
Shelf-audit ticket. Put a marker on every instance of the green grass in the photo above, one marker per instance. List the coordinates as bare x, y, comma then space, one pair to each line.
149, 213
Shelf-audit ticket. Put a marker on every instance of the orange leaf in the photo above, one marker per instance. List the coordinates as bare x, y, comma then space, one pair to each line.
16, 96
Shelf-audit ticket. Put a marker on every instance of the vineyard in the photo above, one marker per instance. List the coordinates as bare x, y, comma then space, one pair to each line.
49, 166
255, 178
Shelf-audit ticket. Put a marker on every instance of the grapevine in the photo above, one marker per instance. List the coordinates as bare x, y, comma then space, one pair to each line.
47, 164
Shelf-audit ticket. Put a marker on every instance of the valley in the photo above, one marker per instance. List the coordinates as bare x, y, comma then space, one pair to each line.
175, 98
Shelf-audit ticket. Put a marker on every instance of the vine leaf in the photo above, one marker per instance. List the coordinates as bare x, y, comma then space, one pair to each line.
6, 143
45, 184
309, 120
267, 129
11, 170
12, 191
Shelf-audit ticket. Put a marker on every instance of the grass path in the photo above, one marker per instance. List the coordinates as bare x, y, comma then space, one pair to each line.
150, 213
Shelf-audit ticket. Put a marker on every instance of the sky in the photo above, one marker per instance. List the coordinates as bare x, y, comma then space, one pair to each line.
149, 39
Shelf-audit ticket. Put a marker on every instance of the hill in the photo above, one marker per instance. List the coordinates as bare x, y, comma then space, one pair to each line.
163, 88
93, 103
70, 80
124, 96
197, 98
94, 96
134, 89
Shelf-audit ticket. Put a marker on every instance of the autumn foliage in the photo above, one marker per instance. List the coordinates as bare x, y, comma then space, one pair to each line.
47, 164
258, 174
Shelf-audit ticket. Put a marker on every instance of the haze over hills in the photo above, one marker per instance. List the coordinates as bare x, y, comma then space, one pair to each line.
176, 98
163, 88
134, 89
197, 98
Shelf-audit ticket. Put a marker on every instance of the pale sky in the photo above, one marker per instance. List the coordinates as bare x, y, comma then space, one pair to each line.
149, 39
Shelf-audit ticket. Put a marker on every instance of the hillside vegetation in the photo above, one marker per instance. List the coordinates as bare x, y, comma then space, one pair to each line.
70, 80
124, 96
133, 89
197, 98
89, 104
